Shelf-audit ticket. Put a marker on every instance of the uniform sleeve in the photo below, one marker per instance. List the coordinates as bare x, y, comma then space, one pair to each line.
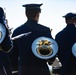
7, 43
13, 56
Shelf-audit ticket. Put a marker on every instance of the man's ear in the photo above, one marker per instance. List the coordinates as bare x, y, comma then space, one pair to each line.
37, 16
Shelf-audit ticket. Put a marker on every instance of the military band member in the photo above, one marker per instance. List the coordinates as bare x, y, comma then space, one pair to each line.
5, 46
65, 39
27, 62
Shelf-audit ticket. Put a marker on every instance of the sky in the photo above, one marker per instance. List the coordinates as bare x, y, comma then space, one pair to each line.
51, 14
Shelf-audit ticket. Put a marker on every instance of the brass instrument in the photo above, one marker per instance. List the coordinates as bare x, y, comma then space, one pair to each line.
44, 47
2, 32
74, 49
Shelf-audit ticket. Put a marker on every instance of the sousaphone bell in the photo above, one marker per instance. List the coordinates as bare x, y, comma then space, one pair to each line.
44, 47
2, 32
74, 49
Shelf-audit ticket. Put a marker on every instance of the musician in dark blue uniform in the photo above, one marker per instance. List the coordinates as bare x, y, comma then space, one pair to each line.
65, 39
28, 63
5, 47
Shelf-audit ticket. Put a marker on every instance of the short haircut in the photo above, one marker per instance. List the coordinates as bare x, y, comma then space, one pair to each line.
32, 13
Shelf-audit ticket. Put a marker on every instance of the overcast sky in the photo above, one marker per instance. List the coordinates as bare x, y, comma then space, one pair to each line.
51, 15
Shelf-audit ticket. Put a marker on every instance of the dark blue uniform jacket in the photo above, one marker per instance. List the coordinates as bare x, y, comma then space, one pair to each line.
28, 63
65, 39
6, 45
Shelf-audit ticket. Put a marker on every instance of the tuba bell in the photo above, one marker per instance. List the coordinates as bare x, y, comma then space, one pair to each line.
74, 49
2, 32
44, 47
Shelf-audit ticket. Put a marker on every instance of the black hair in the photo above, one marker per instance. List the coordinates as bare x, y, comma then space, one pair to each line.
2, 15
1, 12
32, 13
69, 20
